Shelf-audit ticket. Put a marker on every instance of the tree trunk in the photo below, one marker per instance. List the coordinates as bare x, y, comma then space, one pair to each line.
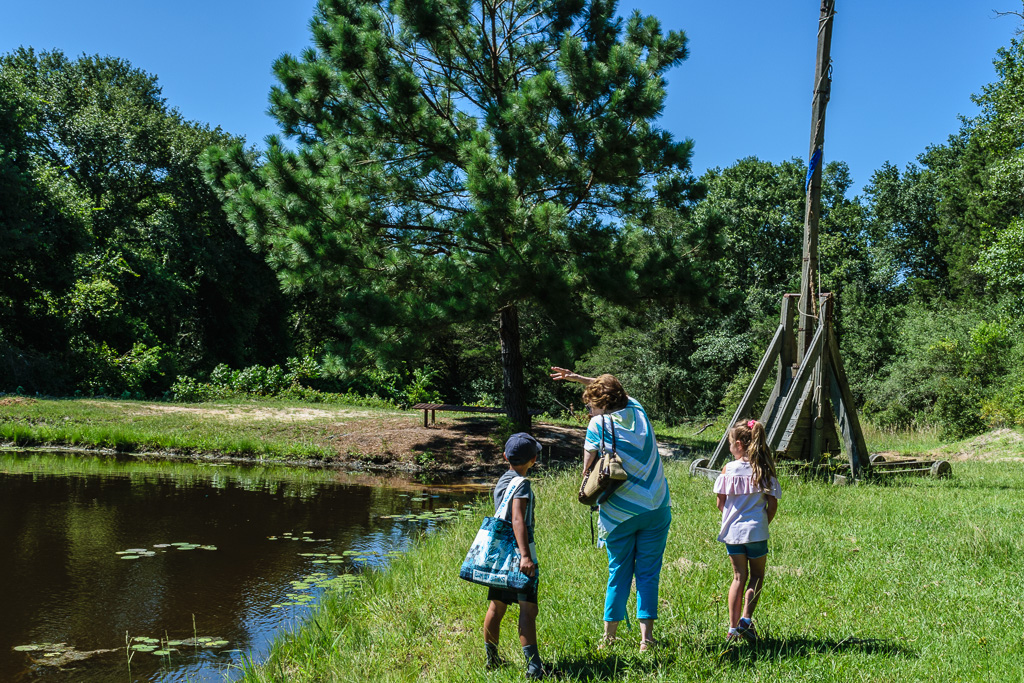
512, 368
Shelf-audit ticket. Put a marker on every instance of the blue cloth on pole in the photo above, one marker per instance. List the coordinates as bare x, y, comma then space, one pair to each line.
815, 160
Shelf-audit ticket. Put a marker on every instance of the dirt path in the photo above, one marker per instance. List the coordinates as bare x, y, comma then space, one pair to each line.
355, 438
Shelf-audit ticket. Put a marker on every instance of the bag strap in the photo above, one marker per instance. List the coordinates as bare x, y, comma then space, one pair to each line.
512, 486
603, 431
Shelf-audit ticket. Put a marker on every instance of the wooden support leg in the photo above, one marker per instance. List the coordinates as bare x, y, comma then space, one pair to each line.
424, 419
782, 430
433, 415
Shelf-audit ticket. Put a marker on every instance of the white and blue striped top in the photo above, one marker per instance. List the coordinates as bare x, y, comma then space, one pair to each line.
645, 488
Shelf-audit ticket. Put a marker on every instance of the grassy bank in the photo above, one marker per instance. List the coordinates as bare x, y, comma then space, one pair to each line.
869, 583
265, 429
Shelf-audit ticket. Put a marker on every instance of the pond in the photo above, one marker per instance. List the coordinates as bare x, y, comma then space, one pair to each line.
121, 571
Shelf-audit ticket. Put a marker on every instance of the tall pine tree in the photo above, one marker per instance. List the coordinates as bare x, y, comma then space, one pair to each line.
458, 160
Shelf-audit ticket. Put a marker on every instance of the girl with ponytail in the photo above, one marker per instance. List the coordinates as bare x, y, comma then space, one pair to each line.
748, 496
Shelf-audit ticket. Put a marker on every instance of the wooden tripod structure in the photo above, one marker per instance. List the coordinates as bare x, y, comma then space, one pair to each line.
811, 408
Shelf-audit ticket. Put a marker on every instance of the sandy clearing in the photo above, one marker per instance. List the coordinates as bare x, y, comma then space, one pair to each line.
253, 413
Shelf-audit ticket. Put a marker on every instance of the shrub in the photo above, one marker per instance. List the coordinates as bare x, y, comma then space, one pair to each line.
188, 390
143, 370
958, 409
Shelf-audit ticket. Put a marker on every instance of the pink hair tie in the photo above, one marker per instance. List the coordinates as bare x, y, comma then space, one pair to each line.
750, 425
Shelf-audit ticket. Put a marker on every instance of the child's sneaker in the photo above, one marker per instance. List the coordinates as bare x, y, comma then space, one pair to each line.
747, 630
537, 672
494, 660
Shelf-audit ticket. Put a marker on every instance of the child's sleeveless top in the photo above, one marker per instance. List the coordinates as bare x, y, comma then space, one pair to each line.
744, 519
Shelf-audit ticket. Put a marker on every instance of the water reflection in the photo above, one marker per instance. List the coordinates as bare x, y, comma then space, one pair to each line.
64, 519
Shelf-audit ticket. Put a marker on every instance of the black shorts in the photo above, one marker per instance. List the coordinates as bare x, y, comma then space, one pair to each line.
509, 597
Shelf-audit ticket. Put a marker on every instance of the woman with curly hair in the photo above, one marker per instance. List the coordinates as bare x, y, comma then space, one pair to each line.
635, 518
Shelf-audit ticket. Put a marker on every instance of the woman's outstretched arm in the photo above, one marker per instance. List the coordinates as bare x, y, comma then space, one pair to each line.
568, 375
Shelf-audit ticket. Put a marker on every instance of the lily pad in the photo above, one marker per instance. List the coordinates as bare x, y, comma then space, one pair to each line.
162, 653
129, 557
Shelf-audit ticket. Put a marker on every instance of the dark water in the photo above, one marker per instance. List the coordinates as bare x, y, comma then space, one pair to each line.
63, 520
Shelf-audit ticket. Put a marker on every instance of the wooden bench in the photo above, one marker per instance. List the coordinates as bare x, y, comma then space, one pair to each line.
433, 407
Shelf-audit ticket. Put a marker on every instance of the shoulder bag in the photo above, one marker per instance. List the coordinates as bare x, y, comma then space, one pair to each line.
493, 558
605, 474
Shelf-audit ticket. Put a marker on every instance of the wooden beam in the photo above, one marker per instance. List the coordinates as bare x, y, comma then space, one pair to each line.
800, 382
822, 92
750, 395
787, 358
846, 413
790, 436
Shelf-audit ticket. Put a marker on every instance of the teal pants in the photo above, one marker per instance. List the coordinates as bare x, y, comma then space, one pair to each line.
635, 548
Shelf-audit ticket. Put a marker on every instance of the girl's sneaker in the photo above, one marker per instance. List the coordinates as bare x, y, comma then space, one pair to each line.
733, 636
746, 629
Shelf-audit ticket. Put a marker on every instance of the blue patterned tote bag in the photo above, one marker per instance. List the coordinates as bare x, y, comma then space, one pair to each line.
493, 559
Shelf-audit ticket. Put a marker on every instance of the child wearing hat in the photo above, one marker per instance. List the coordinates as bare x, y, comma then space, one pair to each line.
521, 452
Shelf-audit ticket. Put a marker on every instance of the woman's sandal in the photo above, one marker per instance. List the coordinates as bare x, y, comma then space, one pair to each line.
647, 645
607, 642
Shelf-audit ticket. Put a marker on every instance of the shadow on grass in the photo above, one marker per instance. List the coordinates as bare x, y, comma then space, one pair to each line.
478, 438
611, 667
777, 648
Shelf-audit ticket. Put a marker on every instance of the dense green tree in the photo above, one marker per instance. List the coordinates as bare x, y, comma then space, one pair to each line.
157, 276
682, 362
1000, 133
460, 161
38, 234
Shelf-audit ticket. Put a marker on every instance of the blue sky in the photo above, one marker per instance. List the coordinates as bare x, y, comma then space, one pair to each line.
903, 69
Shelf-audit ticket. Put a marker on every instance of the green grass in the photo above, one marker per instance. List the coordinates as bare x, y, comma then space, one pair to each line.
256, 477
900, 582
225, 427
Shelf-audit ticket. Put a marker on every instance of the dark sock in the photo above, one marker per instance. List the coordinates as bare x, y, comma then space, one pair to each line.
493, 659
533, 664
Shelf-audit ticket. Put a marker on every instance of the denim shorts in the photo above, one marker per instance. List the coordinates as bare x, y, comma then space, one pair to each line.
753, 551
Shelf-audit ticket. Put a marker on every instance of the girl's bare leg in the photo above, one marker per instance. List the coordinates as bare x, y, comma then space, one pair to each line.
736, 590
754, 586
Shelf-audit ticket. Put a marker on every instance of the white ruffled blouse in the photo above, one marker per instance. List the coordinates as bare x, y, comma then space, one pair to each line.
744, 518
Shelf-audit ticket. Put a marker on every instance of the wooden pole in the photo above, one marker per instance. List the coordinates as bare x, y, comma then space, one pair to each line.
806, 313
